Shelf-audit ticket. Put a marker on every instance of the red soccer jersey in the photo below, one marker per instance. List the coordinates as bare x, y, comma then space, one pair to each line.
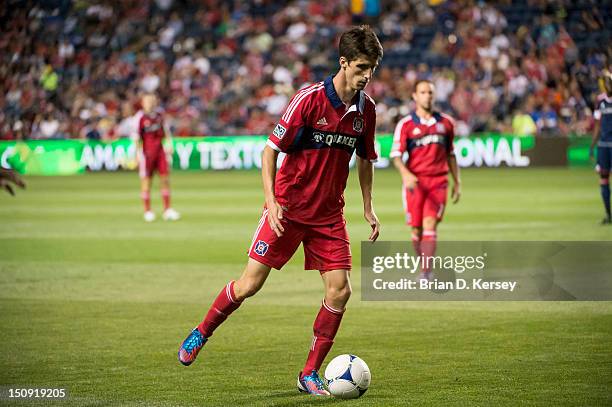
428, 143
151, 131
319, 135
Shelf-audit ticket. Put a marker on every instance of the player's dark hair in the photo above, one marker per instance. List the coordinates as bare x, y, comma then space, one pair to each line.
416, 85
360, 41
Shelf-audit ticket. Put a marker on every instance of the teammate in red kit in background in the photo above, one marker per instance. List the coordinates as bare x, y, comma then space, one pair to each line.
152, 157
321, 128
427, 137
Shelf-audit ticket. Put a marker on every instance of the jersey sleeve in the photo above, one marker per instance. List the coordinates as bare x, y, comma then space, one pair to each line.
366, 147
290, 125
399, 139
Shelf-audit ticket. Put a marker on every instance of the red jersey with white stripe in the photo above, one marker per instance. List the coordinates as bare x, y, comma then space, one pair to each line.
427, 142
151, 131
319, 135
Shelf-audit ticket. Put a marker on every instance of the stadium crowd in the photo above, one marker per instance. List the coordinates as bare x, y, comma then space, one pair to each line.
75, 69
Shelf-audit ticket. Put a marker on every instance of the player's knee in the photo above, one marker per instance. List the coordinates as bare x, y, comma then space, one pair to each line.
604, 177
339, 294
429, 224
246, 287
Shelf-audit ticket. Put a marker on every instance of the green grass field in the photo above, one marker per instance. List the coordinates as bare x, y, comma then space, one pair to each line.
94, 300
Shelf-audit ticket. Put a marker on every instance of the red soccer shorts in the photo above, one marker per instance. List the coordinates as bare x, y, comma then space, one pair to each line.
152, 161
428, 199
326, 247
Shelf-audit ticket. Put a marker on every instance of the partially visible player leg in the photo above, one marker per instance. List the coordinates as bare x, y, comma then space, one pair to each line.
267, 250
145, 195
326, 248
413, 206
145, 171
227, 301
433, 211
325, 327
164, 181
604, 158
428, 244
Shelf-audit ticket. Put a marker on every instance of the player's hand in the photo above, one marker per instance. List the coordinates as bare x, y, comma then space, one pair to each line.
8, 177
456, 192
275, 215
372, 219
410, 181
591, 154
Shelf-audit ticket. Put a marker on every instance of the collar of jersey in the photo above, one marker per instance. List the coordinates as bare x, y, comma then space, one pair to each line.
335, 100
435, 117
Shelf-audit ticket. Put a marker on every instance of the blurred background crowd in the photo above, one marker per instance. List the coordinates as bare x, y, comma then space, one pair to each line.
75, 69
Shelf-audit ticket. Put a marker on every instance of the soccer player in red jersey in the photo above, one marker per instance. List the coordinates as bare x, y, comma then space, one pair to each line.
321, 128
152, 157
427, 137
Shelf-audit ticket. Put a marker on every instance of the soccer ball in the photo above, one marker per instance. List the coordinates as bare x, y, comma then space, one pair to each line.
348, 377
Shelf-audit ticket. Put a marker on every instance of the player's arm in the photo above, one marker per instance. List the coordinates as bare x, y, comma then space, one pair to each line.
408, 178
397, 151
454, 171
167, 142
366, 156
453, 167
596, 129
365, 168
138, 141
268, 174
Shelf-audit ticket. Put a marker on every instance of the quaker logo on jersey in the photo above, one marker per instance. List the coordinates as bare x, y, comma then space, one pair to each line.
279, 131
358, 124
440, 127
261, 248
426, 140
416, 131
334, 139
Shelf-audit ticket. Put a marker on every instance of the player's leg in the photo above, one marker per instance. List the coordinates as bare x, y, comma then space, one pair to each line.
231, 296
226, 302
145, 195
267, 251
413, 201
164, 182
145, 170
428, 244
604, 161
325, 327
433, 211
326, 248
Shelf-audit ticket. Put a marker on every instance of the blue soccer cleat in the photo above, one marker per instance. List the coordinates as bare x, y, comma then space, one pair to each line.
191, 347
311, 384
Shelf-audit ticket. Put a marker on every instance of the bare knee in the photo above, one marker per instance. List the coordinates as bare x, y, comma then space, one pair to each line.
246, 287
338, 295
430, 223
417, 232
251, 281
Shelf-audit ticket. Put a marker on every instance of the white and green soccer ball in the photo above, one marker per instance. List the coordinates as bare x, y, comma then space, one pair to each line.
348, 376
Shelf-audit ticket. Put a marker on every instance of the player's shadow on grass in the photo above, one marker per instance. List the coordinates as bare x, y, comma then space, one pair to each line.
293, 398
